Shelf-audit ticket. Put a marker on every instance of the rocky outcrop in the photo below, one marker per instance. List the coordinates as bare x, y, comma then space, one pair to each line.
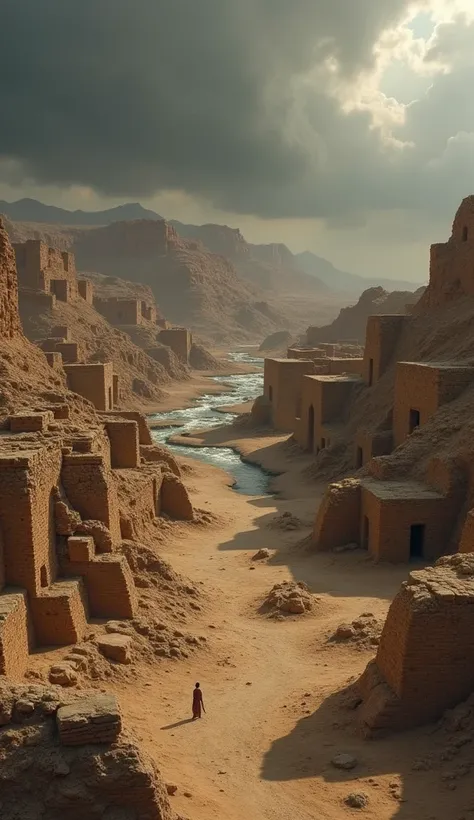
276, 341
352, 321
10, 325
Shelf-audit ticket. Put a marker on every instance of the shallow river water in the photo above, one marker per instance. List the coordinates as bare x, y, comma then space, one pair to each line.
249, 479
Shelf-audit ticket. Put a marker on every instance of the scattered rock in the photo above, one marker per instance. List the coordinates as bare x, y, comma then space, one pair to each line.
24, 707
63, 675
364, 632
344, 761
357, 800
286, 521
171, 789
289, 598
261, 555
116, 647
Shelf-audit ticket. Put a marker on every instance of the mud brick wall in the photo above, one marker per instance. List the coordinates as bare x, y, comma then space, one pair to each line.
61, 332
338, 366
34, 301
90, 487
63, 289
179, 339
426, 652
86, 290
69, 351
116, 389
54, 359
424, 387
149, 312
109, 583
338, 516
31, 422
305, 353
120, 311
283, 385
26, 517
10, 325
390, 519
124, 443
59, 614
92, 381
14, 644
143, 429
369, 445
382, 334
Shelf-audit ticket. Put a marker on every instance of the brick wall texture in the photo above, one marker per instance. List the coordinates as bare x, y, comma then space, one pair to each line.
382, 334
10, 325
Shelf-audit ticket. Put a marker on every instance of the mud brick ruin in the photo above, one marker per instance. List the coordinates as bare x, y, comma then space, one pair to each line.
409, 494
61, 525
120, 311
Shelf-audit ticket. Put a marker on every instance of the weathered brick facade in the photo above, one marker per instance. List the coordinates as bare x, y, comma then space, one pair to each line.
179, 339
283, 388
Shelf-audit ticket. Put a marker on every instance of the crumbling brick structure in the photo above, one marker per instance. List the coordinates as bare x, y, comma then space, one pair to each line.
451, 262
282, 380
421, 388
305, 353
46, 269
124, 443
86, 290
369, 445
323, 404
396, 521
94, 382
119, 311
382, 335
425, 660
179, 339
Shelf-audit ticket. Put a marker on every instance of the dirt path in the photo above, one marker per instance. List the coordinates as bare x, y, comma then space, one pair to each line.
263, 749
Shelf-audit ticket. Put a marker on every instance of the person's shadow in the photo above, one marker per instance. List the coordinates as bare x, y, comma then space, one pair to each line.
177, 725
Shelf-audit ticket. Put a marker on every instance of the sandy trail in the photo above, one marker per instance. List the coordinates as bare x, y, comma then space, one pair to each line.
273, 722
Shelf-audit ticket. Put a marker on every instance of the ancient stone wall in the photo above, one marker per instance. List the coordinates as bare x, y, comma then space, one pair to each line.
179, 340
425, 660
370, 445
283, 389
92, 381
381, 338
14, 639
59, 613
421, 388
10, 325
143, 429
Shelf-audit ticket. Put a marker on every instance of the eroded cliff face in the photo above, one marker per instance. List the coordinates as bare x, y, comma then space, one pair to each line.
10, 325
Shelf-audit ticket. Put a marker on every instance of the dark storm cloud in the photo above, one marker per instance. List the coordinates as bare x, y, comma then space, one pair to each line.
135, 96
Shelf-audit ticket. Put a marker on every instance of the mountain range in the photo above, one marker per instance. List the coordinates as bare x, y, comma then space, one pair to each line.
256, 263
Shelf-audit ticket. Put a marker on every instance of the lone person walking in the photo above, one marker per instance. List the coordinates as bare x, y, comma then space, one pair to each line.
198, 702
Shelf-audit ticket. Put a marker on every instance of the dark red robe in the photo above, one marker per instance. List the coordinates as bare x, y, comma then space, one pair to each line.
197, 703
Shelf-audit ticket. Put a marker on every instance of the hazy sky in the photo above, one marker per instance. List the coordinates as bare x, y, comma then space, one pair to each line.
341, 126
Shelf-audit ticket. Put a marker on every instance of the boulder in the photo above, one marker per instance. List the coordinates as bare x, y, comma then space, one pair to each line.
116, 647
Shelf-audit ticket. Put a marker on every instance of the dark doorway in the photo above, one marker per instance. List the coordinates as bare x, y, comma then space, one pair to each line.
464, 233
111, 399
417, 540
44, 576
323, 443
365, 533
359, 457
270, 393
414, 419
371, 372
310, 436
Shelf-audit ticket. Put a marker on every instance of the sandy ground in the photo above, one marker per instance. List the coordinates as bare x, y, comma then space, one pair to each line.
274, 719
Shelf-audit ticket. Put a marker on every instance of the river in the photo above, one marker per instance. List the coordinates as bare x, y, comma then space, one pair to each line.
249, 478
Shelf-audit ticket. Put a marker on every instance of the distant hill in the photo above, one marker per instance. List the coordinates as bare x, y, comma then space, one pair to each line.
30, 210
349, 282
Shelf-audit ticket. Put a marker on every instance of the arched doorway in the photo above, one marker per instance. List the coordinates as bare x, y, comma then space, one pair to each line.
310, 436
